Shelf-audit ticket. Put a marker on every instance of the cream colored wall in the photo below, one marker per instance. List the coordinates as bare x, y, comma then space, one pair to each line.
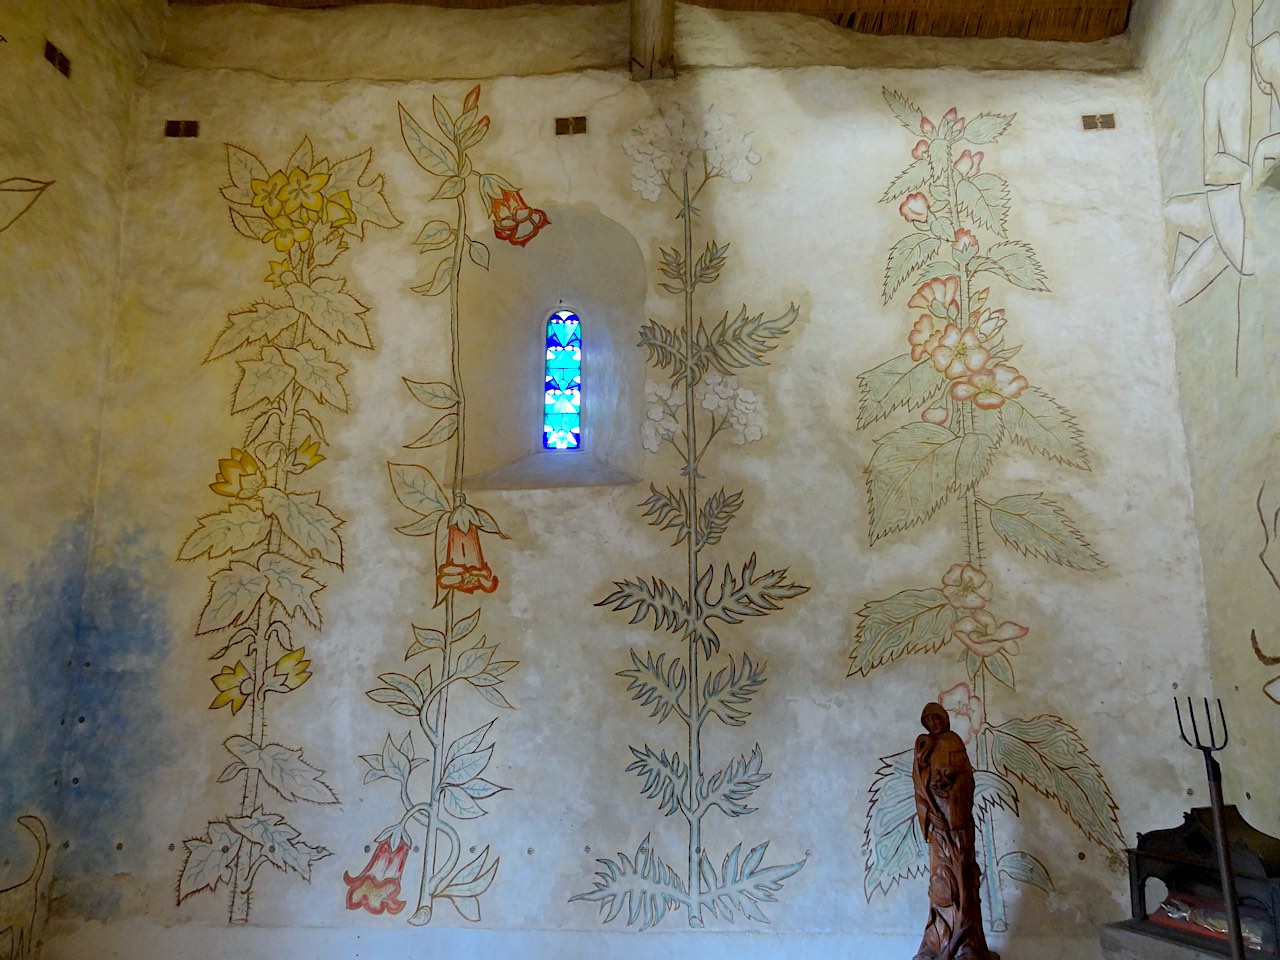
1104, 646
63, 142
1205, 91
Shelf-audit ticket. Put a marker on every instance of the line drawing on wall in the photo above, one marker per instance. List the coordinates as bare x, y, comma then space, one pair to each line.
23, 905
1241, 143
974, 405
275, 535
678, 155
1270, 544
444, 784
17, 195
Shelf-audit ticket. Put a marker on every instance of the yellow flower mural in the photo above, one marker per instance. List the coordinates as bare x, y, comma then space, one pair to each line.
271, 537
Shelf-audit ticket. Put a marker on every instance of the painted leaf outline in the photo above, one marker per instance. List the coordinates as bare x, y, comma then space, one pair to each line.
432, 155
17, 195
278, 841
911, 474
665, 778
909, 180
892, 843
645, 886
1020, 866
1016, 262
729, 788
1037, 421
283, 769
368, 202
908, 114
237, 528
307, 522
656, 684
726, 691
314, 372
209, 859
262, 321
417, 488
895, 383
261, 380
233, 596
472, 878
742, 883
910, 621
1034, 525
336, 313
290, 583
986, 127
1047, 754
740, 597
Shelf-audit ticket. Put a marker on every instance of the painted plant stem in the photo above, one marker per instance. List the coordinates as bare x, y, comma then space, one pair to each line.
974, 405
452, 655
272, 534
700, 398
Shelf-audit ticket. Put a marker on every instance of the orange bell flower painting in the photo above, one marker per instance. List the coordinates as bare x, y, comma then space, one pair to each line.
376, 888
464, 568
514, 220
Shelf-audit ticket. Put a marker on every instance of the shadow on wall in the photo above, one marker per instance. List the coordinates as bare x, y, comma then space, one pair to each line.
593, 266
79, 655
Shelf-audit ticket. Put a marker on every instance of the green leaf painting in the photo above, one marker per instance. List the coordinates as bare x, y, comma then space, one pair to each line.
263, 602
947, 413
697, 398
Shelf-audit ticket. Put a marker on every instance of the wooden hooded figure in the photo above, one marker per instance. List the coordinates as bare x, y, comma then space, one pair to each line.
943, 779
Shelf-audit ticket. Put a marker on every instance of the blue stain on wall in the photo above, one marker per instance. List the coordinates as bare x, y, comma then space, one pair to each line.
81, 649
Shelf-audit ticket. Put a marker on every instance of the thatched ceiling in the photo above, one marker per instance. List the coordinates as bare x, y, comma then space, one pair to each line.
1077, 20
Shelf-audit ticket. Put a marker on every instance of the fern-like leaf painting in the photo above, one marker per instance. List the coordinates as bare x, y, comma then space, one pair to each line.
696, 399
275, 539
940, 415
435, 777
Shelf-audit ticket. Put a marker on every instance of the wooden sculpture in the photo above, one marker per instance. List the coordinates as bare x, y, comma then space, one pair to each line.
943, 780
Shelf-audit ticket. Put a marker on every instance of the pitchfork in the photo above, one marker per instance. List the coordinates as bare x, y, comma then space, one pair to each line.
1214, 774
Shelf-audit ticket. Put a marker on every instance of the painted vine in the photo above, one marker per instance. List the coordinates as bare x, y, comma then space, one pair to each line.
975, 406
696, 401
438, 777
274, 533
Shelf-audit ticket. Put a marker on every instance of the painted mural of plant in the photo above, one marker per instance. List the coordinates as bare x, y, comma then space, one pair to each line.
443, 784
975, 406
276, 533
17, 194
679, 155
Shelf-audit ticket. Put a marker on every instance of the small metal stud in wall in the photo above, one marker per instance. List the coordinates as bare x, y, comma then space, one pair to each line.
57, 58
1098, 121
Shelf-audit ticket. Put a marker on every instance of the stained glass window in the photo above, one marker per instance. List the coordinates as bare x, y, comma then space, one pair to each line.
562, 409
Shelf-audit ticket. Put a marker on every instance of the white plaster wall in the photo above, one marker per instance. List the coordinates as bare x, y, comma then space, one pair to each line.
58, 279
1227, 351
1105, 649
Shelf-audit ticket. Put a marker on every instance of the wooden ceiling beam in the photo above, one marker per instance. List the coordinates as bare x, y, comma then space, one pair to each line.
653, 39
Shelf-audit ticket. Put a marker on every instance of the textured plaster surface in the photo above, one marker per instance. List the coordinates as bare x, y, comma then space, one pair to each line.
298, 45
1228, 406
58, 279
807, 228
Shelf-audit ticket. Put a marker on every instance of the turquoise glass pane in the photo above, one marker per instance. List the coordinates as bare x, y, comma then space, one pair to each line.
562, 405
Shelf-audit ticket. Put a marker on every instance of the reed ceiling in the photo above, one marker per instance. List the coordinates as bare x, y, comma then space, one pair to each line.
1071, 20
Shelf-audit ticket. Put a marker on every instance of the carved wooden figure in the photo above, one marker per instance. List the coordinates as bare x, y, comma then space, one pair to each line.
943, 780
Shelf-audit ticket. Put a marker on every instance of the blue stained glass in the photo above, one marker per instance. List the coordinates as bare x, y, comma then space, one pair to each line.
562, 406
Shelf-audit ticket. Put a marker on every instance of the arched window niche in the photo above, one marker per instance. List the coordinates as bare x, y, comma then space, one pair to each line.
589, 265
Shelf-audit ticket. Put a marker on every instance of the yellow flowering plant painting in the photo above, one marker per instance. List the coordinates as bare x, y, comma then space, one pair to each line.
967, 406
272, 533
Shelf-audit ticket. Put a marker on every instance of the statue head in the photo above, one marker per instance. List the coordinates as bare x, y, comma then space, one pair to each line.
934, 718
